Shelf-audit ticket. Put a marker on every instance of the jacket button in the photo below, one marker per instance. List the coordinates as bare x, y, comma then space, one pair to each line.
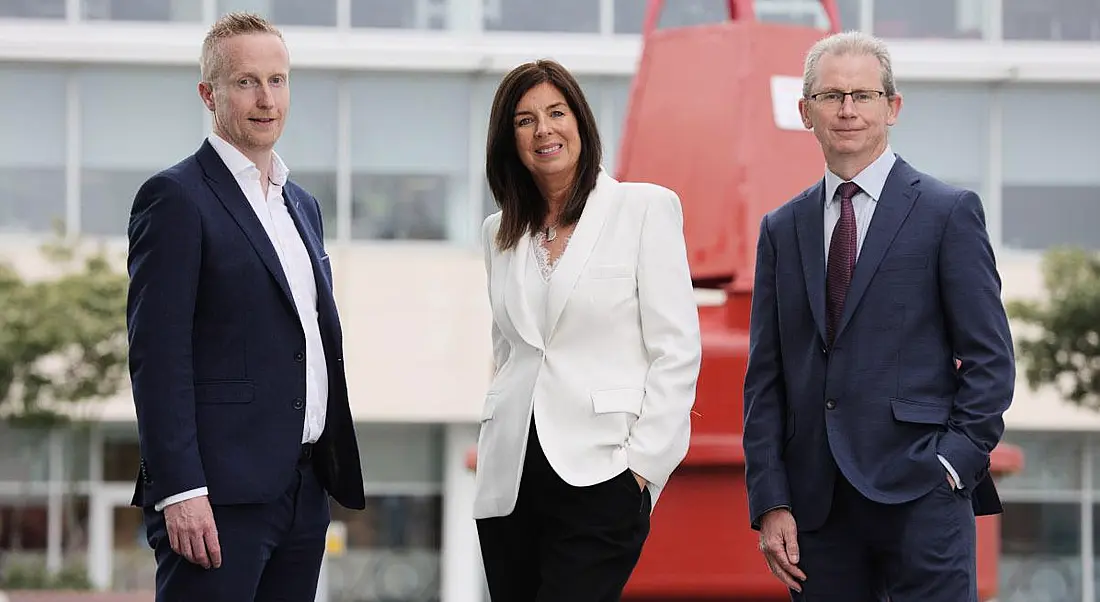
830, 404
299, 356
299, 404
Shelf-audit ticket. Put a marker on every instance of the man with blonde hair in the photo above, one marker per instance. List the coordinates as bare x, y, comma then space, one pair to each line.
880, 359
235, 348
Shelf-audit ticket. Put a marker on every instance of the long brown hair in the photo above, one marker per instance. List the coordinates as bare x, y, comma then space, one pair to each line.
522, 206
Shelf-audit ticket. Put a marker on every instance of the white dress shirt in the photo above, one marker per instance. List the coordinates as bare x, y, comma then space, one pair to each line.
871, 181
294, 259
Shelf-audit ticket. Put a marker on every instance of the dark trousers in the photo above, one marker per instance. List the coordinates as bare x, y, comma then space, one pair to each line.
564, 543
270, 552
922, 551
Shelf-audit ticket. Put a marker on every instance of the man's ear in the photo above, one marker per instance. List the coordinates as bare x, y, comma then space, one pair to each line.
804, 111
206, 93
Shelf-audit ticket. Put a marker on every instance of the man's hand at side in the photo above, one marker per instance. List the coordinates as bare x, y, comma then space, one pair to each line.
192, 533
779, 543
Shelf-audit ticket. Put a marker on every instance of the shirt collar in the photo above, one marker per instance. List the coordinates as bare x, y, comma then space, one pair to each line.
871, 180
239, 164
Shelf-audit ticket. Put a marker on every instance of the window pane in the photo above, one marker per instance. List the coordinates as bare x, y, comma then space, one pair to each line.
409, 153
32, 149
23, 524
933, 113
1051, 182
117, 104
142, 10
399, 14
1053, 463
619, 96
630, 14
309, 141
930, 18
287, 12
805, 13
32, 9
1038, 217
393, 550
1051, 20
579, 16
1040, 552
403, 522
849, 14
401, 454
24, 455
121, 453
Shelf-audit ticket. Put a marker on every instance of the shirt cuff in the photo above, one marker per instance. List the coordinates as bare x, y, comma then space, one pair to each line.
179, 497
951, 471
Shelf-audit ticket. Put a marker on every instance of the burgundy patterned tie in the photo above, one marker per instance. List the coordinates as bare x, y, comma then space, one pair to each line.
842, 259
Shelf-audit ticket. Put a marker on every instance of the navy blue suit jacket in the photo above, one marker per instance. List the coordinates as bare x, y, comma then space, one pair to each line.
217, 349
887, 397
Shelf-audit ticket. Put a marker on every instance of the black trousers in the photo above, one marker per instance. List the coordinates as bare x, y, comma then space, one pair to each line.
564, 543
270, 552
921, 551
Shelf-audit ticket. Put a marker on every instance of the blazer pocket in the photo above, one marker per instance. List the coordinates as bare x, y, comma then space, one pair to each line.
598, 272
904, 262
224, 391
920, 412
607, 401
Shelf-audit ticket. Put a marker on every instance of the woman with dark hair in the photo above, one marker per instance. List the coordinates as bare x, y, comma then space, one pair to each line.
596, 343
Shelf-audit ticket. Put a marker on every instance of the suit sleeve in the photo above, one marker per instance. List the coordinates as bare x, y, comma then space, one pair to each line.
765, 397
660, 437
165, 256
970, 291
500, 344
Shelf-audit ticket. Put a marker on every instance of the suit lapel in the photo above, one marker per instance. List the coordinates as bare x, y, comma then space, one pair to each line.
580, 247
810, 228
515, 301
227, 190
313, 246
894, 205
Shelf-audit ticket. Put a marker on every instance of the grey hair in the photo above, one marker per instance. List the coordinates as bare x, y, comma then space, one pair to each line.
849, 43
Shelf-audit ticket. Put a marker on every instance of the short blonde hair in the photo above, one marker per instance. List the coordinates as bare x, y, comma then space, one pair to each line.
850, 43
229, 25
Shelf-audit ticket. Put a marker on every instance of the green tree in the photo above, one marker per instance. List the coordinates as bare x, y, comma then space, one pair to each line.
1062, 343
63, 336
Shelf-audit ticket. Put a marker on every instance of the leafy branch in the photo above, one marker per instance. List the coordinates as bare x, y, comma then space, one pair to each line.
1064, 350
62, 337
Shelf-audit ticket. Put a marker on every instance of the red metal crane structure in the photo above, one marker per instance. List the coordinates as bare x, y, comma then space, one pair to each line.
713, 116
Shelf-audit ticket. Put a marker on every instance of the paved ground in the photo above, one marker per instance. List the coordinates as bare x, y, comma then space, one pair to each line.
75, 597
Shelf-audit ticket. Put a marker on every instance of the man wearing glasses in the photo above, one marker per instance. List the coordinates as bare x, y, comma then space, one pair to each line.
880, 359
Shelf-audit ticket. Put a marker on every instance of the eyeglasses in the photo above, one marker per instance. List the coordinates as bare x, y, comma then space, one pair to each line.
836, 97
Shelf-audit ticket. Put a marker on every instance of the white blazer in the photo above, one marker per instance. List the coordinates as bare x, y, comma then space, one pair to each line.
612, 383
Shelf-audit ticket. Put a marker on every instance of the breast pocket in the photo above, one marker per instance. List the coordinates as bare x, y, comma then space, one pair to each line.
606, 288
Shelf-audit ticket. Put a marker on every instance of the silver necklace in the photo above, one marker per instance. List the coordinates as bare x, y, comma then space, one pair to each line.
551, 233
